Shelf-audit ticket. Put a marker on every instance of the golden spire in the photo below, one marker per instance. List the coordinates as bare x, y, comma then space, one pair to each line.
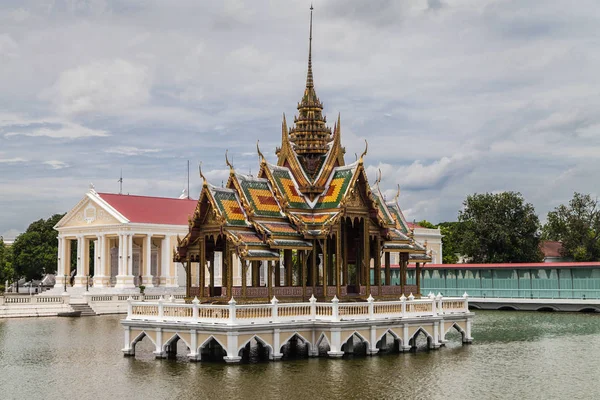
309, 74
231, 170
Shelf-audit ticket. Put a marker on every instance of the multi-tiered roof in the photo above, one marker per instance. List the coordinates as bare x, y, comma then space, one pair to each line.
303, 197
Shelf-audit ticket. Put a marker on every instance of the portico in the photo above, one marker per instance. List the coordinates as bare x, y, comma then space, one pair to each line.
121, 241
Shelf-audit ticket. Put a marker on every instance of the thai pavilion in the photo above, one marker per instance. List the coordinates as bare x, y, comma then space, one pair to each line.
310, 224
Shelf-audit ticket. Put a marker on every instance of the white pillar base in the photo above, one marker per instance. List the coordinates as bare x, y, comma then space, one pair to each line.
231, 360
147, 281
125, 282
101, 281
60, 282
79, 281
335, 354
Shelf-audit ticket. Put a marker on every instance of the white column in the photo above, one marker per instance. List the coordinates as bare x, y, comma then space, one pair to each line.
165, 262
125, 279
80, 276
100, 279
60, 267
147, 274
130, 254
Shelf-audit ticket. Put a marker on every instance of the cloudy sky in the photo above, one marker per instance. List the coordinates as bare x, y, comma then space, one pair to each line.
454, 96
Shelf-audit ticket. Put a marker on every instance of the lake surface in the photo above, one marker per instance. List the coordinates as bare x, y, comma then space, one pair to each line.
515, 355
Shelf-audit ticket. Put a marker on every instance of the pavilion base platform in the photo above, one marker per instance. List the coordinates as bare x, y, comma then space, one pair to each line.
331, 329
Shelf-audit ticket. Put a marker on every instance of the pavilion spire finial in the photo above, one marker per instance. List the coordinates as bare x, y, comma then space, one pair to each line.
309, 74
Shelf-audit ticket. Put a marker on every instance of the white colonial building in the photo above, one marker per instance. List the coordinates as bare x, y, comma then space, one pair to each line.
133, 240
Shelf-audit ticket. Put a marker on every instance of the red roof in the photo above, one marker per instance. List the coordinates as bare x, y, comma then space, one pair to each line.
151, 210
551, 248
413, 225
572, 264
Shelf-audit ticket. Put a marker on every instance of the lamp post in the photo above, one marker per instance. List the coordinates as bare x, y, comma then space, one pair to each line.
87, 282
65, 283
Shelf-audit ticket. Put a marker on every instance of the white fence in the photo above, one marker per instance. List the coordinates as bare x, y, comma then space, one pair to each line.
334, 311
24, 299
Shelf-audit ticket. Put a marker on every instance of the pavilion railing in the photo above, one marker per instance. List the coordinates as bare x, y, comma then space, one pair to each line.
334, 311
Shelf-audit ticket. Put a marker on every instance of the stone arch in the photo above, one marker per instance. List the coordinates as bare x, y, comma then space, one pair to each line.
588, 310
139, 338
413, 338
381, 344
288, 342
323, 340
348, 343
261, 342
458, 328
547, 309
208, 353
507, 308
170, 346
474, 307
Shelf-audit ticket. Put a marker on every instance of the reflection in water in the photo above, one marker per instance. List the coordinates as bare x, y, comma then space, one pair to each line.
515, 355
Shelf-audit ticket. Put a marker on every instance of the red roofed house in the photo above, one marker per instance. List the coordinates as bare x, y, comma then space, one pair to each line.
133, 236
552, 251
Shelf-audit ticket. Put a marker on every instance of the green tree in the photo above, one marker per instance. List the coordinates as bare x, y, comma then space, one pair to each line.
35, 250
450, 242
426, 224
577, 226
6, 271
500, 227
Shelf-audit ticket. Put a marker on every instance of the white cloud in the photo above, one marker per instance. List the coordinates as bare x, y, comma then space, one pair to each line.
67, 131
13, 160
101, 87
8, 47
130, 150
56, 164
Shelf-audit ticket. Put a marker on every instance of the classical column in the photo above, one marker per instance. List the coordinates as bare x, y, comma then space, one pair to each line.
167, 279
147, 274
130, 255
125, 279
100, 263
61, 269
80, 276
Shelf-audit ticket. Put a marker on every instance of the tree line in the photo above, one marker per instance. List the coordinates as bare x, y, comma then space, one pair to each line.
491, 228
504, 228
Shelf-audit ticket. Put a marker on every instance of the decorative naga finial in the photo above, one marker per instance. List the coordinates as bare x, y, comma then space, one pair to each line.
231, 170
201, 174
397, 194
364, 153
309, 74
378, 178
260, 154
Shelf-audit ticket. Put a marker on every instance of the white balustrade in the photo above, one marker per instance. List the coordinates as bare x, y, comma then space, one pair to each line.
274, 312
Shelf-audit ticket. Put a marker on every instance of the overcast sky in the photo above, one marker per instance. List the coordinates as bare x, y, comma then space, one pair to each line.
453, 96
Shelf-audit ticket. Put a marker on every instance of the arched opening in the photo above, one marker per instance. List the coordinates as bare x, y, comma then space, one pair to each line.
176, 348
355, 346
546, 309
389, 343
323, 346
589, 310
456, 335
143, 349
255, 351
420, 341
212, 351
474, 307
296, 347
507, 308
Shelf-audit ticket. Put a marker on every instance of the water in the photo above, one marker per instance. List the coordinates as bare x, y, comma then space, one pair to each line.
516, 355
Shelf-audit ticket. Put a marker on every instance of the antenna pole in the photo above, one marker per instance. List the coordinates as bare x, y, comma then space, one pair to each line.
121, 182
188, 181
